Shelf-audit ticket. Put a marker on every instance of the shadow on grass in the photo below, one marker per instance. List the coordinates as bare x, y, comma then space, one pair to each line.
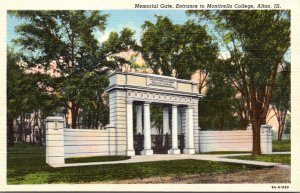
95, 159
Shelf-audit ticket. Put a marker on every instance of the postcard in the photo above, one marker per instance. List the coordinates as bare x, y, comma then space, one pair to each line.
149, 96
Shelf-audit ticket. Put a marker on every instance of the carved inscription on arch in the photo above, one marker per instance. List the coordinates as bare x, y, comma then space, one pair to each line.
162, 82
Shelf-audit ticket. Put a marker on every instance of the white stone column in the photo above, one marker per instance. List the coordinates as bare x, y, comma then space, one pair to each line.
189, 132
147, 131
166, 120
139, 125
129, 129
55, 150
174, 149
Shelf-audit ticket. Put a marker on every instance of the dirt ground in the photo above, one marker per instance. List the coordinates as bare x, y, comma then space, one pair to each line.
269, 175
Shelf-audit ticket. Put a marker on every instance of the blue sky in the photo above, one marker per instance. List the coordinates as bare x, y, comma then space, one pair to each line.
117, 20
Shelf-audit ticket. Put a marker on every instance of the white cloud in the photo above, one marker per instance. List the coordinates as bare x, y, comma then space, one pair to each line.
103, 37
224, 54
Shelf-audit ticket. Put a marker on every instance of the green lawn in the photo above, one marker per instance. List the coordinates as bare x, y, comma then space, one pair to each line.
225, 152
95, 159
26, 165
284, 145
281, 158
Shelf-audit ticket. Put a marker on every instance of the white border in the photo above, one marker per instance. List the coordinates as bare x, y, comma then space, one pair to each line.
294, 5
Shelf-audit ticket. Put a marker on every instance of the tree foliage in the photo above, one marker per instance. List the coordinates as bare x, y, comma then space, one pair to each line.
257, 42
217, 107
179, 49
281, 100
25, 94
65, 41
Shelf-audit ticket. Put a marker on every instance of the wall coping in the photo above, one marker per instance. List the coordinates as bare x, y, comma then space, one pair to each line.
153, 75
84, 130
153, 90
54, 118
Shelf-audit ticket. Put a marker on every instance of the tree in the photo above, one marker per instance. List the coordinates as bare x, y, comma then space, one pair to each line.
25, 94
281, 100
157, 117
218, 110
65, 41
13, 75
257, 42
176, 49
288, 126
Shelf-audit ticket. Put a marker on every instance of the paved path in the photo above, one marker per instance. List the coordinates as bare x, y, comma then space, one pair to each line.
241, 154
164, 157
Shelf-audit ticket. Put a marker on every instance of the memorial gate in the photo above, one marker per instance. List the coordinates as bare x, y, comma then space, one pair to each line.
130, 131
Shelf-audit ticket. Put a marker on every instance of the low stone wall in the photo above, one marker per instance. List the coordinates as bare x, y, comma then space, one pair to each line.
86, 142
62, 143
238, 140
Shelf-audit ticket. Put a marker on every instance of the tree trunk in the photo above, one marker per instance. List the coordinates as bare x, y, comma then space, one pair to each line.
43, 130
10, 130
30, 138
78, 118
74, 112
97, 115
256, 138
21, 128
281, 116
256, 119
89, 119
221, 120
280, 125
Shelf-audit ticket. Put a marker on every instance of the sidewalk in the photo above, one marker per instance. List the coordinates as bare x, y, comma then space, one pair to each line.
165, 157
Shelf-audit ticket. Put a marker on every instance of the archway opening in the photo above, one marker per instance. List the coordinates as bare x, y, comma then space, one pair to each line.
160, 127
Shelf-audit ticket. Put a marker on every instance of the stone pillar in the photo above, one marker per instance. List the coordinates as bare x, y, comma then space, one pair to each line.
266, 139
55, 152
189, 132
166, 120
129, 129
139, 125
174, 149
147, 131
269, 138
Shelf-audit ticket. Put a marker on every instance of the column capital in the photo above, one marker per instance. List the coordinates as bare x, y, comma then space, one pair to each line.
147, 103
129, 101
189, 107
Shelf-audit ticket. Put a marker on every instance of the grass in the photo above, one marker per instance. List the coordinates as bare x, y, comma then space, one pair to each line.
95, 159
284, 145
279, 158
26, 165
225, 152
